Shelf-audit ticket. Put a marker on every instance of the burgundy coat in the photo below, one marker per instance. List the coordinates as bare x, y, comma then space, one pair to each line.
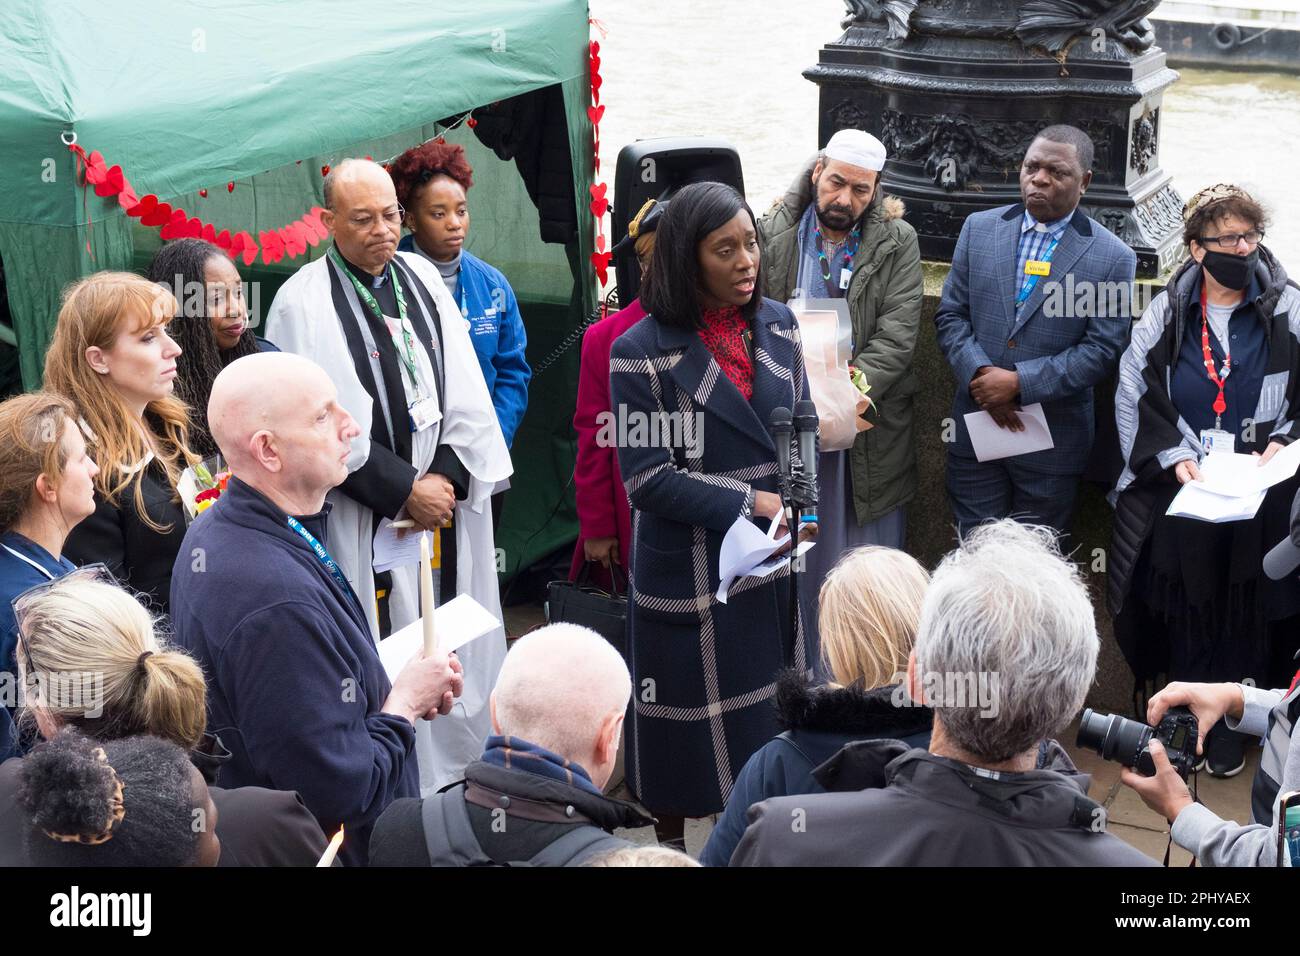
603, 510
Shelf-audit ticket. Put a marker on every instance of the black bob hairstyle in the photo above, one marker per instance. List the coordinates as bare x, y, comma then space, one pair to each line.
671, 292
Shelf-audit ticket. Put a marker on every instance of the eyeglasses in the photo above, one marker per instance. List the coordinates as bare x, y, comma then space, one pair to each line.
22, 604
1229, 240
365, 220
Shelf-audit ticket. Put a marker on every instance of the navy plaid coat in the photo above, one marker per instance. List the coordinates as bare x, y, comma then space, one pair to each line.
1059, 357
704, 673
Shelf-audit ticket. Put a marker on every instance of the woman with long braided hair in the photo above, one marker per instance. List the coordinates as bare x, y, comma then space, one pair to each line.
212, 327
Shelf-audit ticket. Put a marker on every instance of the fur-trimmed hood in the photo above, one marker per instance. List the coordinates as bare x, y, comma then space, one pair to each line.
846, 710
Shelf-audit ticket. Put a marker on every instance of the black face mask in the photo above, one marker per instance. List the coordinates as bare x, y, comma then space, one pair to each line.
1230, 271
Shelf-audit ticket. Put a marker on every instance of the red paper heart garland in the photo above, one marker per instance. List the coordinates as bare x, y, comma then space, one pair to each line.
291, 240
599, 203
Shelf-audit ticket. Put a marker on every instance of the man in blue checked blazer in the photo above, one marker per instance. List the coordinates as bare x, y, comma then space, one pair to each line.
1035, 309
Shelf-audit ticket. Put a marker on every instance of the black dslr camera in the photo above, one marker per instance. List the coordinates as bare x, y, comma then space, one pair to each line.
1118, 738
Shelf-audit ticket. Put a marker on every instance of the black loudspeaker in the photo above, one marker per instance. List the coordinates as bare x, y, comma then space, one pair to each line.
655, 169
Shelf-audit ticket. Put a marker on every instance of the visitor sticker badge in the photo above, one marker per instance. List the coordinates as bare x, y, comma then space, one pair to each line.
1038, 267
1216, 441
845, 276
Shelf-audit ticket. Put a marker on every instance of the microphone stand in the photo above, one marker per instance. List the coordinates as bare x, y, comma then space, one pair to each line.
798, 491
796, 486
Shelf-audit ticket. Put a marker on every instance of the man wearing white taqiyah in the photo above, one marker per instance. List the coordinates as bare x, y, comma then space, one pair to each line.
836, 235
384, 327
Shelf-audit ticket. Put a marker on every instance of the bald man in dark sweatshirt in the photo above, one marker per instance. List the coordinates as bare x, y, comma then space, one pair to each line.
296, 690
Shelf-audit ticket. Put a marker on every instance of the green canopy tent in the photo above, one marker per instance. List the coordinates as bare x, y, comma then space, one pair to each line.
192, 95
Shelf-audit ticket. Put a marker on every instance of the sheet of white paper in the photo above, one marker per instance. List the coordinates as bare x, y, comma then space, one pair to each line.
991, 442
743, 548
459, 621
1236, 476
397, 547
773, 563
1193, 501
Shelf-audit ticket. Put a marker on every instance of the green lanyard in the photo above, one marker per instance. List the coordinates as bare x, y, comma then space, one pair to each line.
407, 352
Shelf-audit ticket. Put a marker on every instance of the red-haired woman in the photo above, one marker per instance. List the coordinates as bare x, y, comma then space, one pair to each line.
112, 357
431, 182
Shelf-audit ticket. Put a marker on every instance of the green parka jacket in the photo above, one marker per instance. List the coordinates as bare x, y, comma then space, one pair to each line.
884, 299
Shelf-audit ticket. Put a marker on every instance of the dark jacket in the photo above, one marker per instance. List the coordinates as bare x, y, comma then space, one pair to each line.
8, 736
1153, 434
400, 838
23, 565
295, 685
818, 722
884, 299
140, 557
895, 807
256, 827
711, 666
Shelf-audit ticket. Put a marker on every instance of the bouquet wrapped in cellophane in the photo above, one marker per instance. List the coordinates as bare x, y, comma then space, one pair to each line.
201, 485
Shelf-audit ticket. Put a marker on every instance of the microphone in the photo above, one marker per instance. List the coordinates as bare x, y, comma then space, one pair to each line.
782, 429
805, 424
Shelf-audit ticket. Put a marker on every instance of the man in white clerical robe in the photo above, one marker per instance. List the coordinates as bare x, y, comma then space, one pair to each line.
383, 325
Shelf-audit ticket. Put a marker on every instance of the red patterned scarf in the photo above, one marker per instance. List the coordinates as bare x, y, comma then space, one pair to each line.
724, 336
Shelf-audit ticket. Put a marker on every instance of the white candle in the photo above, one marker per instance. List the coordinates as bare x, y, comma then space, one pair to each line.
331, 851
426, 596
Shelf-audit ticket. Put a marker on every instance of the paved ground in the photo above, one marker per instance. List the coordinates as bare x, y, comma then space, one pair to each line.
1130, 820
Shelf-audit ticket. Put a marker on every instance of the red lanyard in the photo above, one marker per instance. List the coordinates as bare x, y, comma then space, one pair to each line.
1220, 406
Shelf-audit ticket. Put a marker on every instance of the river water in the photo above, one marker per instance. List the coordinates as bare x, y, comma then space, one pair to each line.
734, 69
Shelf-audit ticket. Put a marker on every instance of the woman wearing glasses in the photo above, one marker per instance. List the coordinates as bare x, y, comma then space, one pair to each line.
112, 357
46, 488
1213, 366
91, 660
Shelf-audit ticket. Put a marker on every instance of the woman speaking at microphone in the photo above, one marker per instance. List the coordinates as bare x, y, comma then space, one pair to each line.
693, 385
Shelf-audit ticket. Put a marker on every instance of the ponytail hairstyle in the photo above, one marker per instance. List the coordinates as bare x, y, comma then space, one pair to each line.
122, 803
82, 629
96, 310
31, 444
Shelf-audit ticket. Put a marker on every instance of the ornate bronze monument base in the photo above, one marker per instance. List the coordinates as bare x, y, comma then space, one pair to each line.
956, 89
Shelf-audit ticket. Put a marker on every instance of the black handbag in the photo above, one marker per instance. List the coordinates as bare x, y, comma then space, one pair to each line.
580, 602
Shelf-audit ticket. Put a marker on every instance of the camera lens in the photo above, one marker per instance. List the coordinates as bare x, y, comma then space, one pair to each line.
1113, 737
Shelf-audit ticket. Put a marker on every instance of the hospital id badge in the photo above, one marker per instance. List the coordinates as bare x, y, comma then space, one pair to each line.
845, 276
423, 412
1216, 440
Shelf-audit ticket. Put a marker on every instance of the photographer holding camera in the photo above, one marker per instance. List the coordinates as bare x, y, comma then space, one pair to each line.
1270, 714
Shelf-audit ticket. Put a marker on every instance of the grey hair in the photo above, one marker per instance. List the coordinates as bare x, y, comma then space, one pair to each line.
1008, 608
327, 187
